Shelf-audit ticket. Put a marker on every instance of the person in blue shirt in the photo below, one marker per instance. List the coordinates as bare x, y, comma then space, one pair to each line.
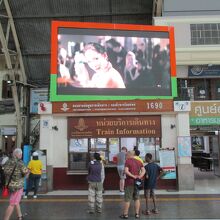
153, 172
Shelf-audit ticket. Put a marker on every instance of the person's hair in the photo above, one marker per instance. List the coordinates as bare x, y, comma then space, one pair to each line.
94, 46
35, 157
135, 148
97, 156
16, 152
137, 152
113, 42
130, 153
124, 148
148, 156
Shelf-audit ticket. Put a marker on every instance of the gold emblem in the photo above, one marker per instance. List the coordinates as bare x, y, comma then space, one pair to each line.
81, 125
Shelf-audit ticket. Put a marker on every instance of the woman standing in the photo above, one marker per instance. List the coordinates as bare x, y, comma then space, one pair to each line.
15, 172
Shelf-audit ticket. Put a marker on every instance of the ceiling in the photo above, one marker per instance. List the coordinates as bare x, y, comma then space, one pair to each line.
32, 19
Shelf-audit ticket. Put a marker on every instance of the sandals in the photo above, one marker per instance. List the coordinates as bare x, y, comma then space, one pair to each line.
155, 211
146, 212
124, 216
22, 216
137, 215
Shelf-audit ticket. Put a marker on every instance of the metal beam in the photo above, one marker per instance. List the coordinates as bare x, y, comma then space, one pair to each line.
157, 8
11, 72
4, 39
15, 37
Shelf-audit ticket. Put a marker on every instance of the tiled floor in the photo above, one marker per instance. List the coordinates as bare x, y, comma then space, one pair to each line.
199, 204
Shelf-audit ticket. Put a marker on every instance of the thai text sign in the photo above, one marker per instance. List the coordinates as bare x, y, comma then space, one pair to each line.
113, 106
124, 126
205, 113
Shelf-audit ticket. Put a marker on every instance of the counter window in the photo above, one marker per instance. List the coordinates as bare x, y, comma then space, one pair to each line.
81, 150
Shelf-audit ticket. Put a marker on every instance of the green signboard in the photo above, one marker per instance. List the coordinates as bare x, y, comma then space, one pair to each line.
204, 120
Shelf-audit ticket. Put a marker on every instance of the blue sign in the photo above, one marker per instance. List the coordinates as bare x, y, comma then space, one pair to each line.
37, 96
204, 71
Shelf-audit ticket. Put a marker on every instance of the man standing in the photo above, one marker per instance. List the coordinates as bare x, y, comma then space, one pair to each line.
121, 168
95, 185
153, 173
133, 169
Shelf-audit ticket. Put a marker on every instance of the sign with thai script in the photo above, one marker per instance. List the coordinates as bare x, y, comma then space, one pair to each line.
205, 113
113, 106
124, 126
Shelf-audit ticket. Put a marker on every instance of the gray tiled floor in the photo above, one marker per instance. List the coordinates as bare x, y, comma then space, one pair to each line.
202, 203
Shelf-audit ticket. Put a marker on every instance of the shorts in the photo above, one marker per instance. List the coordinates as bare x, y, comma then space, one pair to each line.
131, 192
121, 172
15, 197
149, 192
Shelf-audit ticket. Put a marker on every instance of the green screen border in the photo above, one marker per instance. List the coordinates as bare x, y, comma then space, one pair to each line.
59, 98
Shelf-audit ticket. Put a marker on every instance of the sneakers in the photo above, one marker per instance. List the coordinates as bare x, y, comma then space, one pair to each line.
122, 192
34, 197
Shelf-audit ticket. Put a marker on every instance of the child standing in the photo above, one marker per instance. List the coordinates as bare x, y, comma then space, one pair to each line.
153, 172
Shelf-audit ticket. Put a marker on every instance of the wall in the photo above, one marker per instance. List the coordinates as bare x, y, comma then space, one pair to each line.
186, 54
166, 121
55, 142
190, 7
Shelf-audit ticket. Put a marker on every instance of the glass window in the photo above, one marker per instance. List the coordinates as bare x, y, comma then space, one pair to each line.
78, 154
149, 145
204, 34
113, 149
99, 145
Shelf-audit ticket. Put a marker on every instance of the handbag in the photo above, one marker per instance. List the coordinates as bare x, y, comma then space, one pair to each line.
139, 184
5, 190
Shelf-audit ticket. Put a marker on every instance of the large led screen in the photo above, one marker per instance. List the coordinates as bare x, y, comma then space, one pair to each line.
96, 61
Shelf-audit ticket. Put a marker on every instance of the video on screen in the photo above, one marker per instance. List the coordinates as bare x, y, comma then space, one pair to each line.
113, 62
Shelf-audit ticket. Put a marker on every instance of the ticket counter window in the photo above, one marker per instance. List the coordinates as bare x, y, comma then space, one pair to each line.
149, 145
113, 150
99, 145
78, 154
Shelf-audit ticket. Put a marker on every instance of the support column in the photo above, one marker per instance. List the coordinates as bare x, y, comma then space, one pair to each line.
185, 168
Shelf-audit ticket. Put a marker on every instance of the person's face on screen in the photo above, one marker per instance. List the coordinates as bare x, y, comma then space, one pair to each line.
95, 60
130, 60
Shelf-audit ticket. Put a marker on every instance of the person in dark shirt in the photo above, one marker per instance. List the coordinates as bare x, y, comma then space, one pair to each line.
153, 172
95, 185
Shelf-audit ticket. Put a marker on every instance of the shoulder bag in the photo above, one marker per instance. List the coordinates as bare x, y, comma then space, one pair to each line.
5, 190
